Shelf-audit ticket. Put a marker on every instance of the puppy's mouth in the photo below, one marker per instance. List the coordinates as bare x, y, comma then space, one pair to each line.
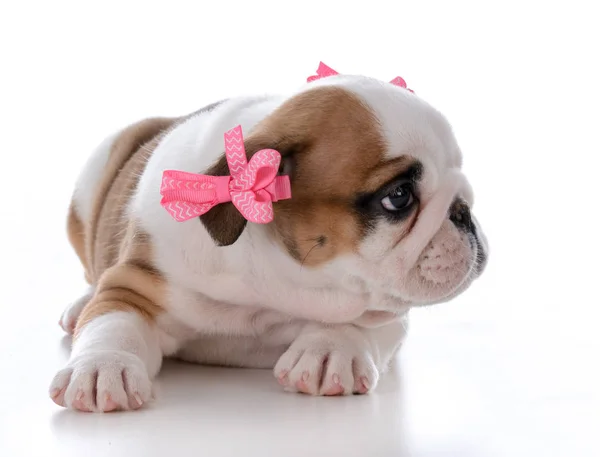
446, 267
477, 267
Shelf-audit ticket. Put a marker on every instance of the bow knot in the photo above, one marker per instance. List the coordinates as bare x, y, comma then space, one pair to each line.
324, 71
251, 187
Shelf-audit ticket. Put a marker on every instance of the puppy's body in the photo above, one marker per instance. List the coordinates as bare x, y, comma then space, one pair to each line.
321, 293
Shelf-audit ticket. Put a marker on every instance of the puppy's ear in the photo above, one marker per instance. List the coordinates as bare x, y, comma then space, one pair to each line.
223, 222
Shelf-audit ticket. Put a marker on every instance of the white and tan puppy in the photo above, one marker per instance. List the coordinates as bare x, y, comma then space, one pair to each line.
379, 221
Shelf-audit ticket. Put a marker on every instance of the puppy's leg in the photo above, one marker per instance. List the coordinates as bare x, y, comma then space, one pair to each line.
339, 359
117, 348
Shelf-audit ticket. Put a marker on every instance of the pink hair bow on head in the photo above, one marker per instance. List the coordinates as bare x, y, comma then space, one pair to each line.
252, 187
324, 71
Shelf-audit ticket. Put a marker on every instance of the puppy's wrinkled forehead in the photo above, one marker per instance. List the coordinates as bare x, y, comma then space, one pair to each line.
407, 124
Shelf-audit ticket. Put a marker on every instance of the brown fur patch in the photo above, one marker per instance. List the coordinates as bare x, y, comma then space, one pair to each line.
125, 288
133, 284
385, 172
337, 151
128, 157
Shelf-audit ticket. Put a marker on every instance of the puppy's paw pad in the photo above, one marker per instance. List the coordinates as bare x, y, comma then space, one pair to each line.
102, 382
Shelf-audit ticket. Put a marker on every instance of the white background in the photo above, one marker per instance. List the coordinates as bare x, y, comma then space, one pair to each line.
508, 369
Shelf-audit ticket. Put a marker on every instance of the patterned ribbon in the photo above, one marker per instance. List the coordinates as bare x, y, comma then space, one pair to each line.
251, 187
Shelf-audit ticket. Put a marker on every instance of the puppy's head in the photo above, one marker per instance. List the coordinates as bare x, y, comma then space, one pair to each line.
378, 197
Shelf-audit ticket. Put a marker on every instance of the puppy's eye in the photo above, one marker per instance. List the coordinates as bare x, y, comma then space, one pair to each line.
399, 199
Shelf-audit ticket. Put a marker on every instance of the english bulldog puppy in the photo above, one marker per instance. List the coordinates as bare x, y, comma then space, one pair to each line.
379, 221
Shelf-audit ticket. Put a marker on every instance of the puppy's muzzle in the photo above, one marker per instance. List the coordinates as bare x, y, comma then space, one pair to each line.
435, 210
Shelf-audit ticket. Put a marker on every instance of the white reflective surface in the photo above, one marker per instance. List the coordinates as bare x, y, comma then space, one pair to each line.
461, 387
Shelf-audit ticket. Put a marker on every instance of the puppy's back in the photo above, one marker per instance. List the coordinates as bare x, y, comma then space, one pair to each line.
97, 221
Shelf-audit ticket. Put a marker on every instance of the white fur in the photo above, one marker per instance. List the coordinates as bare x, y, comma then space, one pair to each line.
89, 178
250, 303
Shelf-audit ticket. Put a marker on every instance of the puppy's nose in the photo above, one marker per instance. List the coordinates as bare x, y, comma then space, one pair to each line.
460, 215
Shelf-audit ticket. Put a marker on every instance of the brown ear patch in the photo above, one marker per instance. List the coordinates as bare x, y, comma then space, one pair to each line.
336, 144
315, 232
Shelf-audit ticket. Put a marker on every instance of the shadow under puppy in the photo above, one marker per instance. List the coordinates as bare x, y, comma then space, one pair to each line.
379, 221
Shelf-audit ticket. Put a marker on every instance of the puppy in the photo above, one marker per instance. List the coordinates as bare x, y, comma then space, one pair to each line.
379, 221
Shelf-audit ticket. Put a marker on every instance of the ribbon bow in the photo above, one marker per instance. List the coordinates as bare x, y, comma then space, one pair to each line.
252, 186
324, 71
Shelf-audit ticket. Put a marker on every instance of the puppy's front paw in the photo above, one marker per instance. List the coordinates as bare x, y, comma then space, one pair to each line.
102, 381
329, 362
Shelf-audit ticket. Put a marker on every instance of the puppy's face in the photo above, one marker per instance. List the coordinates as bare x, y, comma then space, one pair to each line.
378, 199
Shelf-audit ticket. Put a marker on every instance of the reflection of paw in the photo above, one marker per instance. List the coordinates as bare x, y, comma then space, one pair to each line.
102, 381
69, 317
327, 363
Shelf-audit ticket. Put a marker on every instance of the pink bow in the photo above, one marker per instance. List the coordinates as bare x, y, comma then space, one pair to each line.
324, 71
252, 186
